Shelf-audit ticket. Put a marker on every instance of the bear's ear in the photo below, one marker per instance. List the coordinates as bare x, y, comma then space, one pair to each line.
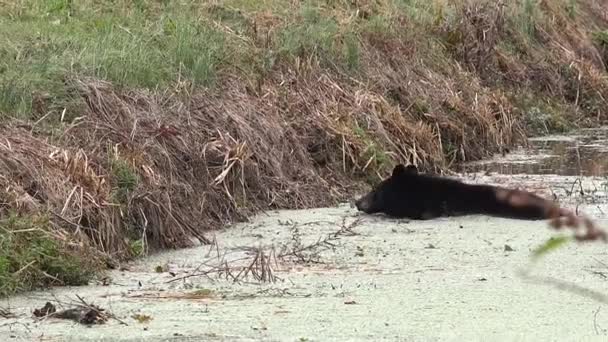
412, 169
405, 170
402, 170
398, 170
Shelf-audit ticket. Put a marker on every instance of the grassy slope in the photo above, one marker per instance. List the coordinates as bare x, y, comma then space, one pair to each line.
350, 86
154, 44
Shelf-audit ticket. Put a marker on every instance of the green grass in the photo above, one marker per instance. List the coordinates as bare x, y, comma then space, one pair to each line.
601, 38
543, 116
42, 45
321, 37
373, 153
148, 44
31, 258
529, 16
155, 44
125, 179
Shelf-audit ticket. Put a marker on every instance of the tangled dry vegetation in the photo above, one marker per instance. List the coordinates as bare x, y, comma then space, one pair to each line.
130, 168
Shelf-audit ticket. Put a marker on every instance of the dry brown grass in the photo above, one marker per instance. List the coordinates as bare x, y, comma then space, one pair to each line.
555, 59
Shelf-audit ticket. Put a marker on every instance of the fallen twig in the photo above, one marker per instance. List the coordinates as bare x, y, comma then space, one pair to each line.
83, 313
6, 313
310, 253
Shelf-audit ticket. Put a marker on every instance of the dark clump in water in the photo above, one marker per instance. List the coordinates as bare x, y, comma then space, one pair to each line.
583, 154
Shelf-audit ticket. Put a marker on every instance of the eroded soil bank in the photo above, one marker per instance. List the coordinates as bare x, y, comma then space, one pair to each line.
333, 274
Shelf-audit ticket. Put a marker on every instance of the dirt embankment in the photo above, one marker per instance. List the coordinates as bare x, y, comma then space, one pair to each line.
138, 169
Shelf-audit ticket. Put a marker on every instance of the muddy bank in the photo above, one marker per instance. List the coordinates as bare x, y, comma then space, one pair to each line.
375, 279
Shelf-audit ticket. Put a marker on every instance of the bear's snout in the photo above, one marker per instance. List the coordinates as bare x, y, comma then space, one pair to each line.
364, 204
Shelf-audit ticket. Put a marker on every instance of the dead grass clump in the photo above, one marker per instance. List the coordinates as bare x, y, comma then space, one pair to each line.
459, 117
38, 177
200, 163
473, 37
554, 55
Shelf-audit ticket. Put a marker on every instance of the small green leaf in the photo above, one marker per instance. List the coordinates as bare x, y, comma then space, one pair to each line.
551, 244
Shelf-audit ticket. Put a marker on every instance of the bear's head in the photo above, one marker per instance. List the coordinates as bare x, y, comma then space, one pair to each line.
388, 196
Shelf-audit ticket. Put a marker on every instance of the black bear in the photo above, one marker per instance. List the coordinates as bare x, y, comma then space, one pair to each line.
409, 194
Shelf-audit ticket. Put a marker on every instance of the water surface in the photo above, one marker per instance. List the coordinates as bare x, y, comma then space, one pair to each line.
583, 153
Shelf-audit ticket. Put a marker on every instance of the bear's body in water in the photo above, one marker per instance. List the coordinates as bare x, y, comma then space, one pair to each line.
410, 194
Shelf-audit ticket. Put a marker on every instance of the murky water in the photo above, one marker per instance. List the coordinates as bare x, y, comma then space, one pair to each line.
583, 153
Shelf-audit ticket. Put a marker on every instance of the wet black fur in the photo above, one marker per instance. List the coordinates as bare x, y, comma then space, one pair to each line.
409, 194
